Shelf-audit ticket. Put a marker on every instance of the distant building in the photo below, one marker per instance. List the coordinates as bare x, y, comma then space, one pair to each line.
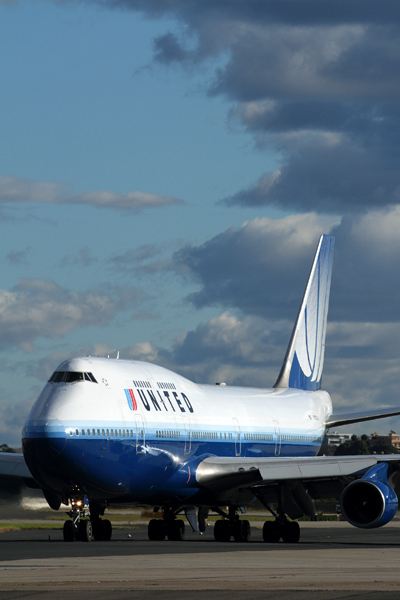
336, 438
392, 439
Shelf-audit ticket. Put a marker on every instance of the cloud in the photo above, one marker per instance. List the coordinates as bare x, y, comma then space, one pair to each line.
361, 363
223, 349
317, 85
82, 259
261, 268
135, 260
38, 308
18, 257
133, 201
14, 190
327, 173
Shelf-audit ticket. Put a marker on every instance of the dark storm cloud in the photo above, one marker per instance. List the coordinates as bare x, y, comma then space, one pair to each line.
296, 72
294, 12
167, 49
327, 173
262, 267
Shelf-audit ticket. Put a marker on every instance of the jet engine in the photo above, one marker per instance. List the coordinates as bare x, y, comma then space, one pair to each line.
370, 501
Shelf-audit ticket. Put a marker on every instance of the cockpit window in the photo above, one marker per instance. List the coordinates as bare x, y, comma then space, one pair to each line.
57, 376
71, 376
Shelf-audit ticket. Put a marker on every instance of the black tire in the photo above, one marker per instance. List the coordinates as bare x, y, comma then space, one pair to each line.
156, 530
85, 531
176, 531
271, 532
247, 529
106, 530
291, 532
68, 531
242, 531
222, 531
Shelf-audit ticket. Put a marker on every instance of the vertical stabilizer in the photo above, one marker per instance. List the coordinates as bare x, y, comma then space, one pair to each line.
304, 360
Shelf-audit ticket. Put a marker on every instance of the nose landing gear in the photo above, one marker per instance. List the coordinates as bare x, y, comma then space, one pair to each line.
85, 522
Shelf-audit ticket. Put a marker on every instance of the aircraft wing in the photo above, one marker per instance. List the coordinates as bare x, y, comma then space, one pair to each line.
297, 482
363, 415
14, 465
222, 473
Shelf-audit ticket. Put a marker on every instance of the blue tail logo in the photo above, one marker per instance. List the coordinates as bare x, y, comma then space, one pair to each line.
304, 360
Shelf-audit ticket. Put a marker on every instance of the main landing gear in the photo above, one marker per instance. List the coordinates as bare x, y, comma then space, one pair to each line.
231, 526
281, 528
168, 526
288, 531
86, 523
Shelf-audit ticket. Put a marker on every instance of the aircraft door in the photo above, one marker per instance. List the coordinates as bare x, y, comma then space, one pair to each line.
238, 441
188, 436
140, 434
277, 438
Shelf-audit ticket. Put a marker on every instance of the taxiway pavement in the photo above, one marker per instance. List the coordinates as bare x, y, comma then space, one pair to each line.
332, 560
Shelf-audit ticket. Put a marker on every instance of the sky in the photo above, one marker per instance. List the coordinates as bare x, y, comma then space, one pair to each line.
166, 170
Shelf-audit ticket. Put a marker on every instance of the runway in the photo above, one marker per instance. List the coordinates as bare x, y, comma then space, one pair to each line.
332, 560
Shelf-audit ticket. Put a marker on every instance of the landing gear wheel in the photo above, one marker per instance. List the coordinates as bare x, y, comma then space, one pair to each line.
222, 531
106, 530
156, 530
291, 532
68, 531
85, 531
241, 531
176, 531
271, 532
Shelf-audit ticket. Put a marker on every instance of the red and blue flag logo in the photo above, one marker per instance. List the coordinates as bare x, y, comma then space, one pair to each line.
130, 396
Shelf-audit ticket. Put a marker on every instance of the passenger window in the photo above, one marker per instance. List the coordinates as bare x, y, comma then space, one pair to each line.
77, 432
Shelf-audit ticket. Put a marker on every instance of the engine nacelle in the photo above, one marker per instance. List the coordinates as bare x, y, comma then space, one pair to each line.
370, 501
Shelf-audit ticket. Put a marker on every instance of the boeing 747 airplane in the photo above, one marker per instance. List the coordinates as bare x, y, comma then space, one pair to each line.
109, 431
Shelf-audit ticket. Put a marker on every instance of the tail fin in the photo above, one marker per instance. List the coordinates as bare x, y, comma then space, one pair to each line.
304, 360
